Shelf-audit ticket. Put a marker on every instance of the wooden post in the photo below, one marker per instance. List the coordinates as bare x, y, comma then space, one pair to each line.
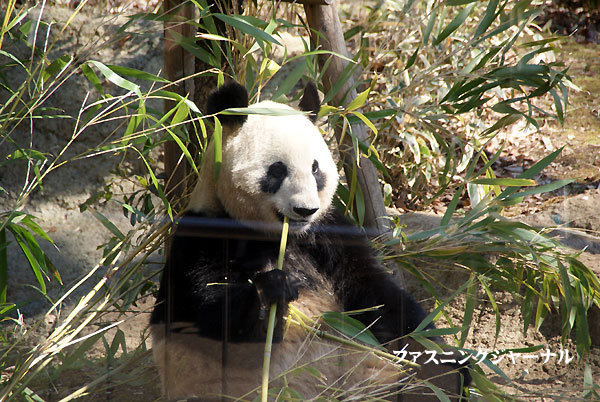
178, 64
324, 20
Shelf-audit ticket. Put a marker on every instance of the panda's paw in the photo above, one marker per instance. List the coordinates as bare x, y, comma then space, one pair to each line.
274, 287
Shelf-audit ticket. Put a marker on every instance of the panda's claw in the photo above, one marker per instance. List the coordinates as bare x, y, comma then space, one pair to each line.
274, 287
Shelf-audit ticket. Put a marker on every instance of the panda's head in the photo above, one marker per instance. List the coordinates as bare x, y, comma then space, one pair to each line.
273, 166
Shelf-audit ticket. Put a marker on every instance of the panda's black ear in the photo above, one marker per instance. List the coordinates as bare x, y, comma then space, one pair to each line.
228, 95
310, 101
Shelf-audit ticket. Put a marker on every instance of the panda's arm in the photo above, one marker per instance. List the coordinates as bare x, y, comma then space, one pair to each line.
215, 284
360, 282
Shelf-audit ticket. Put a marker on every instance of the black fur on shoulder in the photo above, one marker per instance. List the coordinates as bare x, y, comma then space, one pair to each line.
228, 95
310, 101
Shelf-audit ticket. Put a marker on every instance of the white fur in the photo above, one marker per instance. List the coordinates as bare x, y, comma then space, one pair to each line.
248, 151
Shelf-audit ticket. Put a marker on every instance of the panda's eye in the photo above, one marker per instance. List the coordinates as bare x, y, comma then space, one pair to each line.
319, 176
277, 170
272, 181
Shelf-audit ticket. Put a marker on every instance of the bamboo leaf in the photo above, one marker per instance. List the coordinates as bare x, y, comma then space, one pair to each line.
156, 184
244, 24
350, 327
3, 266
108, 224
367, 122
178, 98
452, 205
412, 58
470, 302
290, 81
503, 122
359, 100
429, 27
558, 105
582, 331
532, 172
265, 111
35, 228
545, 188
135, 73
429, 319
34, 264
494, 307
455, 23
217, 148
184, 149
439, 393
116, 78
488, 17
500, 181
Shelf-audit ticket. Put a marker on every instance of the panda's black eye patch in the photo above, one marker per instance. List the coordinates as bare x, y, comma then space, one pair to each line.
276, 173
319, 176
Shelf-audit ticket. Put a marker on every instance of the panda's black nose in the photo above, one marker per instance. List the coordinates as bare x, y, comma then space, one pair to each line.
305, 212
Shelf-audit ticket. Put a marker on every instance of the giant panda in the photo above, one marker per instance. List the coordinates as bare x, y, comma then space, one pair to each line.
209, 322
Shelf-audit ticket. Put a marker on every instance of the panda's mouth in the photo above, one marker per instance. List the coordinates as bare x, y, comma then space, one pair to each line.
281, 217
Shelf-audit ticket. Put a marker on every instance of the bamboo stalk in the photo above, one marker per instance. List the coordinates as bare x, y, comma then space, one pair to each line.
272, 316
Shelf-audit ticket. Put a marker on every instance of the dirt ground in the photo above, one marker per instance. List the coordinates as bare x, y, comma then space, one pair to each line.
574, 209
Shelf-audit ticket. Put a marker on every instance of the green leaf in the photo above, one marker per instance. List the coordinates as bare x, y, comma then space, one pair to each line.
56, 67
217, 148
350, 327
429, 27
455, 23
494, 305
92, 77
156, 184
582, 331
470, 302
503, 107
367, 122
267, 111
132, 72
504, 182
108, 224
35, 228
558, 105
341, 81
290, 81
181, 113
429, 319
244, 24
546, 188
3, 266
412, 58
183, 148
116, 79
27, 154
503, 122
359, 100
488, 17
452, 205
178, 98
20, 236
459, 2
15, 59
439, 393
532, 172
